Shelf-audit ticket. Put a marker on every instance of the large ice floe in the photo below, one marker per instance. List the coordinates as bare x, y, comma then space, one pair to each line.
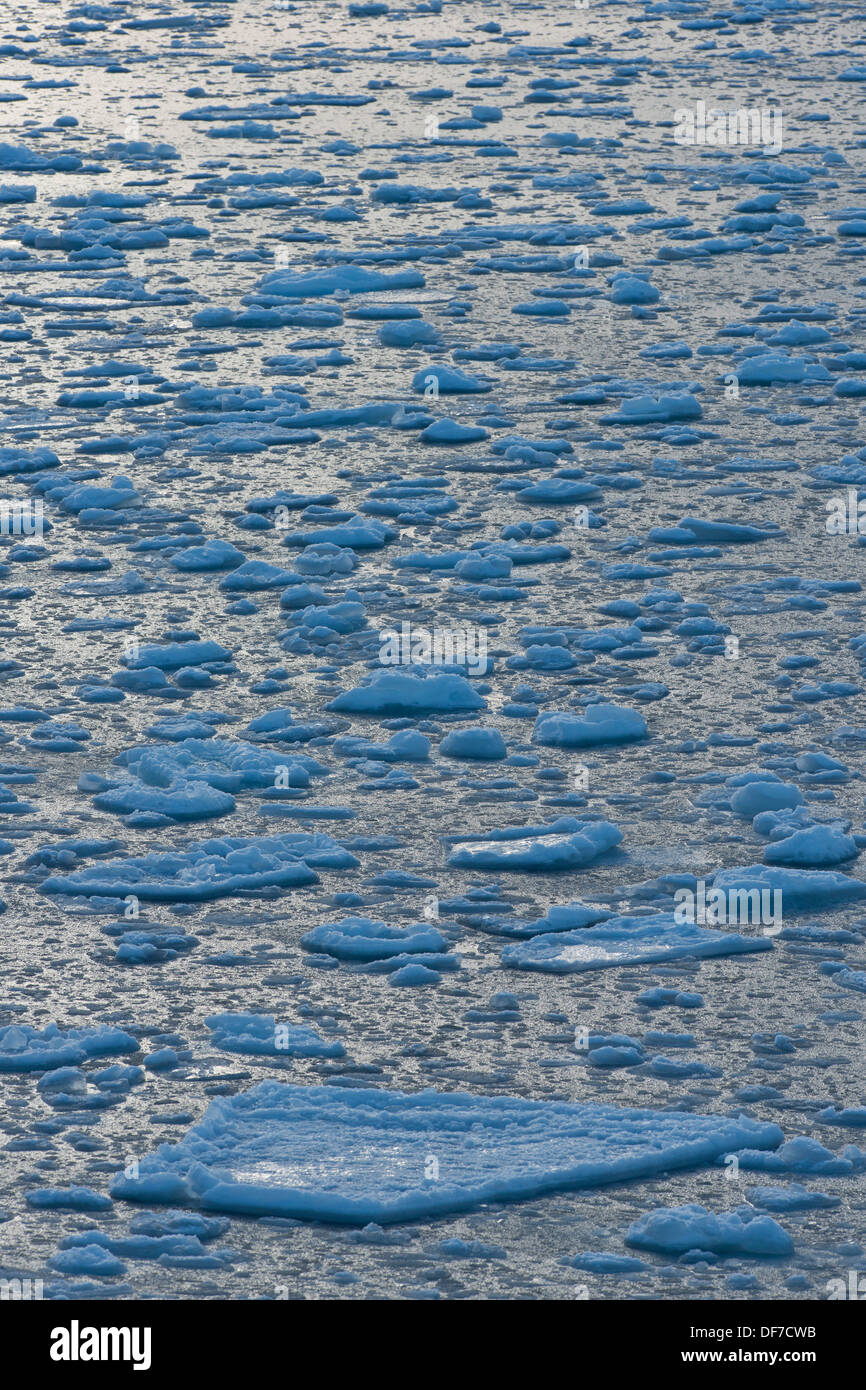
195, 779
626, 941
208, 869
357, 1156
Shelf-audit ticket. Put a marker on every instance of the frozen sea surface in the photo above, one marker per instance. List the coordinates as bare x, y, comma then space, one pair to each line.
431, 558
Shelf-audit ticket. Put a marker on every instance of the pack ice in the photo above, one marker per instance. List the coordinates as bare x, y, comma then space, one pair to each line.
208, 869
626, 941
432, 523
324, 1154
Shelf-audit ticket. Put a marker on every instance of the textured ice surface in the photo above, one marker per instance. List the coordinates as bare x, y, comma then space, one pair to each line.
405, 436
398, 693
794, 1197
600, 724
359, 1156
803, 1155
261, 1035
208, 869
800, 888
358, 939
29, 1049
587, 842
193, 779
626, 941
742, 1232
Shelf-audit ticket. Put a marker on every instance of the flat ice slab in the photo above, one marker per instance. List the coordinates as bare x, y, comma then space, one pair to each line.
208, 869
588, 842
626, 941
355, 1156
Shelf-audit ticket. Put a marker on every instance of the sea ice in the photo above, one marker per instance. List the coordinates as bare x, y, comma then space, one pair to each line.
626, 941
328, 1154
